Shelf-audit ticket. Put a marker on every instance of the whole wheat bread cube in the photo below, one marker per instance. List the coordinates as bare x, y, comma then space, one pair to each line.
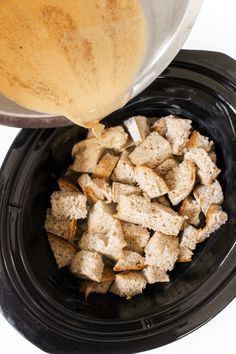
66, 204
123, 189
212, 156
62, 227
190, 208
106, 166
67, 184
93, 242
163, 200
155, 275
181, 180
110, 244
116, 241
138, 128
140, 211
215, 218
160, 126
177, 133
124, 171
150, 182
87, 265
130, 261
207, 171
166, 166
86, 155
95, 189
197, 140
162, 251
110, 138
187, 244
113, 138
100, 218
207, 195
128, 284
152, 151
62, 250
135, 236
101, 221
90, 286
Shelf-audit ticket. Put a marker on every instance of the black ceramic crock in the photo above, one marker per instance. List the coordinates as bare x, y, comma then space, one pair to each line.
44, 303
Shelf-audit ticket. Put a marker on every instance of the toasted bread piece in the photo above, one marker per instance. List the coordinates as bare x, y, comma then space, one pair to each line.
187, 244
116, 242
86, 155
207, 195
130, 261
141, 211
212, 155
181, 180
177, 133
163, 200
62, 227
191, 209
166, 166
152, 151
135, 236
100, 218
110, 244
113, 138
215, 218
87, 265
67, 204
62, 250
95, 189
93, 242
90, 286
207, 171
162, 251
124, 171
130, 145
138, 128
101, 221
155, 275
160, 126
106, 166
128, 284
197, 140
67, 184
123, 189
150, 182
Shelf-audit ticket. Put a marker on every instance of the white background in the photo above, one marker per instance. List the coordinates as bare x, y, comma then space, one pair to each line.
215, 30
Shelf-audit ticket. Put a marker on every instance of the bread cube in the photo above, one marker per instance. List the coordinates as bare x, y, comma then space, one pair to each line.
67, 204
87, 265
162, 251
128, 284
135, 236
155, 275
152, 151
62, 250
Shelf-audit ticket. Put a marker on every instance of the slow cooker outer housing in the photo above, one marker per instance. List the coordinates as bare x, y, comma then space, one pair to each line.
44, 304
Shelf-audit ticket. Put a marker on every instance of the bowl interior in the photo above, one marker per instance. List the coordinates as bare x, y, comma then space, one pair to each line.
169, 24
53, 150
